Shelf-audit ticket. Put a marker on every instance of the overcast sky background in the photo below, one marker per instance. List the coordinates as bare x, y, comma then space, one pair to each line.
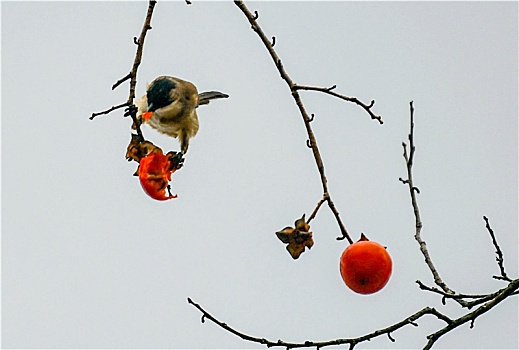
90, 261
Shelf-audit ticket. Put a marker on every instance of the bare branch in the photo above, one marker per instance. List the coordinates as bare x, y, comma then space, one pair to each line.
446, 292
314, 213
499, 253
410, 320
132, 75
111, 109
206, 315
413, 191
311, 142
502, 295
451, 296
335, 212
355, 100
138, 55
319, 344
123, 79
479, 298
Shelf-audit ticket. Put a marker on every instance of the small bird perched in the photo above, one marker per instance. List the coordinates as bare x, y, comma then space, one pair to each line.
169, 106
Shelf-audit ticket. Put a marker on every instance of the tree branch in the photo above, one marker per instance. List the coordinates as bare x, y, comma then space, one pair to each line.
410, 320
499, 253
140, 45
502, 295
111, 109
132, 75
447, 293
413, 191
317, 207
328, 90
311, 142
479, 298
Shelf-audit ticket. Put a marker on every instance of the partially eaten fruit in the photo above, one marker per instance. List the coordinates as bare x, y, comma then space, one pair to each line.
155, 172
155, 167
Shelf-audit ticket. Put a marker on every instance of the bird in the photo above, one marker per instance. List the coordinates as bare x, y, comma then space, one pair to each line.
169, 106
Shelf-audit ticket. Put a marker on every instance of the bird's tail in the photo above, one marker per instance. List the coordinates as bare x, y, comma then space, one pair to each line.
205, 97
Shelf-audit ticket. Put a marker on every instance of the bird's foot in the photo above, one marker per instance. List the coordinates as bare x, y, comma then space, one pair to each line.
130, 111
176, 159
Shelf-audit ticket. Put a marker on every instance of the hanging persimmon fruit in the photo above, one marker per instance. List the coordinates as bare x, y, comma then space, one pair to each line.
365, 266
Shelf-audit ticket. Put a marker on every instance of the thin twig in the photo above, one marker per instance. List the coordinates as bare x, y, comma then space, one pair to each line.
132, 75
138, 55
479, 298
499, 253
314, 213
409, 158
126, 77
448, 295
206, 315
111, 109
335, 212
355, 100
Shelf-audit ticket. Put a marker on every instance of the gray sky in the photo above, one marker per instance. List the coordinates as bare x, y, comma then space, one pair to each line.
90, 261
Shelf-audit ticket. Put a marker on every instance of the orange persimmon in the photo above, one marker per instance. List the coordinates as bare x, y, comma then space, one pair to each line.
365, 266
155, 172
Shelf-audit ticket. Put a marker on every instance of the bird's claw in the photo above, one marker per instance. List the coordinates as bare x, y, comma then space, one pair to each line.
130, 111
176, 159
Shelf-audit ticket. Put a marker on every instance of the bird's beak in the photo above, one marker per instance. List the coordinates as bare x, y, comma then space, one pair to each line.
146, 115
